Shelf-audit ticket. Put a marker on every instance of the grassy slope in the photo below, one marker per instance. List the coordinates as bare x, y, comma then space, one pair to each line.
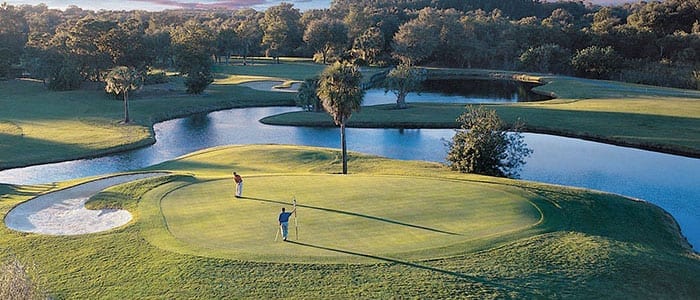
588, 245
648, 117
39, 126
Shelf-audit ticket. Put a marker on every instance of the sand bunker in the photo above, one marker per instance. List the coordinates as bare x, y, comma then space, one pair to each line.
272, 86
64, 213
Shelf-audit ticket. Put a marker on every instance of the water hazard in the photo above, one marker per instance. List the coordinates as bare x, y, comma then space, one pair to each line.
669, 181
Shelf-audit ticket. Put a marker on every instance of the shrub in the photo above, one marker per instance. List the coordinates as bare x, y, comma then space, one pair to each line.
197, 81
546, 58
307, 97
15, 282
483, 146
66, 78
660, 74
597, 62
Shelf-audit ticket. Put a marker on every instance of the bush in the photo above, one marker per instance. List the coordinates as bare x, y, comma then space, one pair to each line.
483, 146
66, 78
197, 81
307, 97
597, 62
15, 282
660, 74
548, 58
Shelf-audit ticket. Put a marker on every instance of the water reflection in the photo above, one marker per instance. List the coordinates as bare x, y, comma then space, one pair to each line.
488, 90
461, 91
667, 180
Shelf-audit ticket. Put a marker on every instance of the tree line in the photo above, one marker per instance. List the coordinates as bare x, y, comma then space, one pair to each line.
655, 42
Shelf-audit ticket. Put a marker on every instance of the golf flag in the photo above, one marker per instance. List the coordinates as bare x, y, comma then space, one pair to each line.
296, 224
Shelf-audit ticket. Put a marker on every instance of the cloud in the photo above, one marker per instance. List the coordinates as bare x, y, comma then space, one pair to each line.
230, 4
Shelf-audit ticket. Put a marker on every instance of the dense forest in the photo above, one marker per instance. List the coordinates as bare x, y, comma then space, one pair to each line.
655, 42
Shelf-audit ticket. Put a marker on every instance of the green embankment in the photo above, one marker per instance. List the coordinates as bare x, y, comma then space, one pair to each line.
363, 235
655, 118
390, 229
39, 126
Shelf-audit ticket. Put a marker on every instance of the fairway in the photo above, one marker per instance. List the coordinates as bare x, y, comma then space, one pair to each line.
387, 216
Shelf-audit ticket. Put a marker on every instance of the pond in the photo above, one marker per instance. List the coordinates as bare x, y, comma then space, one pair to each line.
462, 91
669, 181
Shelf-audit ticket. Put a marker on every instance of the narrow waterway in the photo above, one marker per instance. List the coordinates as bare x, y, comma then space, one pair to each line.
669, 181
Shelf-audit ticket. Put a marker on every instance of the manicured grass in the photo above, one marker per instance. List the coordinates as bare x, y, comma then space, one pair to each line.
661, 119
40, 126
436, 216
191, 239
294, 71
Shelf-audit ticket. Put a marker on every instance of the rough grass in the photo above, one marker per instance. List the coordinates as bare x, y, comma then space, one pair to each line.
587, 245
15, 280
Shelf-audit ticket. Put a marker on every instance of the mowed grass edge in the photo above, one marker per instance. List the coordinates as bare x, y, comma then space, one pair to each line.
588, 244
647, 117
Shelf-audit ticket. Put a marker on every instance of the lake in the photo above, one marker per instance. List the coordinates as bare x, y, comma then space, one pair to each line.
669, 181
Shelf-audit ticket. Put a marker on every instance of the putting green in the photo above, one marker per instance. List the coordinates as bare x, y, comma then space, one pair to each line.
380, 216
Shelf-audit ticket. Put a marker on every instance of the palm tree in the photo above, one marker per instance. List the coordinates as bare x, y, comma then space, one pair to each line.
121, 80
341, 94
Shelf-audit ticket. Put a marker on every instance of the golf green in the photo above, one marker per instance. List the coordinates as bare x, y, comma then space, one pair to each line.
340, 218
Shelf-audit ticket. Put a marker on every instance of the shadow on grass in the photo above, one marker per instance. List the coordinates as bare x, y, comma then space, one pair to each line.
358, 215
410, 264
8, 190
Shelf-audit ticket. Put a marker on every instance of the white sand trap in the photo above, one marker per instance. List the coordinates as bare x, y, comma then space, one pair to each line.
63, 212
269, 86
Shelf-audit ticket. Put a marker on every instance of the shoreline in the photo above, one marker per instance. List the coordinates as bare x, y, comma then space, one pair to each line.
437, 73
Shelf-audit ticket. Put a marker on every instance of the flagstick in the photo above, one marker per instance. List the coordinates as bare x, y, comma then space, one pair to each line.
296, 224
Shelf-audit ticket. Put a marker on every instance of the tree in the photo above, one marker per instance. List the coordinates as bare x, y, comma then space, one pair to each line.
326, 35
341, 94
282, 33
402, 80
417, 39
307, 97
83, 45
482, 145
226, 42
604, 21
369, 44
13, 37
249, 35
159, 45
546, 58
65, 76
193, 45
596, 62
125, 45
120, 81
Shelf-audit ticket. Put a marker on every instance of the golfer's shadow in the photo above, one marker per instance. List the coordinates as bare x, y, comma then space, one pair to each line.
375, 218
406, 263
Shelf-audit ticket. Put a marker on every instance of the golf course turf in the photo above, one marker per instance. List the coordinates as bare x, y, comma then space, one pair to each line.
399, 217
388, 229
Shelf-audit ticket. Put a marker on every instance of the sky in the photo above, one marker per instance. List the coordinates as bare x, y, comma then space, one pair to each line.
156, 5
